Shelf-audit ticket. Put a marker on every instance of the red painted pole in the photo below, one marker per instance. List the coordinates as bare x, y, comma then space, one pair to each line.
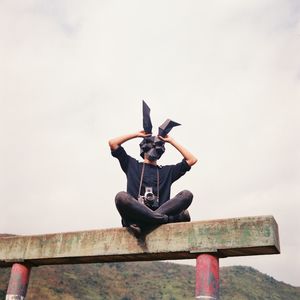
18, 282
207, 277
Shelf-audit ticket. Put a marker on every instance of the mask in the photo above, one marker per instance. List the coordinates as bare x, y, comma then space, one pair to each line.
153, 146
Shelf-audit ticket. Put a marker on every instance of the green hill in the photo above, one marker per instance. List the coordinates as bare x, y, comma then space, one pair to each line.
145, 280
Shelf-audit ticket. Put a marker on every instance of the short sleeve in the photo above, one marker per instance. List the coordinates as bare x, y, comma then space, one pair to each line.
179, 170
122, 156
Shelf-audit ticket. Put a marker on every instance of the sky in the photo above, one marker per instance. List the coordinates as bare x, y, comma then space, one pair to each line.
74, 74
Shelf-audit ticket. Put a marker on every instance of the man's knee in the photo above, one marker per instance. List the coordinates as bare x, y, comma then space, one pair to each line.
187, 196
121, 199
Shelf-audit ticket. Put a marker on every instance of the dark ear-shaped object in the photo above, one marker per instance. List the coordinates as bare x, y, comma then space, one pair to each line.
146, 118
166, 127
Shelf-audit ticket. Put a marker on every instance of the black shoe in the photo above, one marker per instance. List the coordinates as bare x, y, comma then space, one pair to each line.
182, 217
185, 216
135, 230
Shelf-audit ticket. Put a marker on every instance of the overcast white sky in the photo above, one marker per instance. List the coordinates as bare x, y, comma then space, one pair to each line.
73, 74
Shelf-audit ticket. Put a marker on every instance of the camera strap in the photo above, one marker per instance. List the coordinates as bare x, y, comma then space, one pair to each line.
141, 181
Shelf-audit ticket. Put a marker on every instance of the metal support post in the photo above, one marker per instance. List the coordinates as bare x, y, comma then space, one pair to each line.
207, 277
18, 282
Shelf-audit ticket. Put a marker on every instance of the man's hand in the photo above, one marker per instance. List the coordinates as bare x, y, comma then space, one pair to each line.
142, 134
118, 141
167, 139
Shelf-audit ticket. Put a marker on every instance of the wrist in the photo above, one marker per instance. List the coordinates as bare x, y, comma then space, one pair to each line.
172, 142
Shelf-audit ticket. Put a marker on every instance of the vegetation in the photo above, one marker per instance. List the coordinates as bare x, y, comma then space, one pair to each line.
145, 280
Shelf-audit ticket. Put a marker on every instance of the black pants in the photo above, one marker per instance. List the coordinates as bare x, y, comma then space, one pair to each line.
134, 212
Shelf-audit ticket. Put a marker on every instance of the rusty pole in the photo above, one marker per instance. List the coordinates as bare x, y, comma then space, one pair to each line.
207, 277
18, 282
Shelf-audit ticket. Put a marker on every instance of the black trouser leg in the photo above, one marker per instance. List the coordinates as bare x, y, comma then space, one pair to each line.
133, 211
177, 204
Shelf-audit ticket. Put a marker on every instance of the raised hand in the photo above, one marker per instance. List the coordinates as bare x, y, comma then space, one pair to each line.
166, 139
143, 134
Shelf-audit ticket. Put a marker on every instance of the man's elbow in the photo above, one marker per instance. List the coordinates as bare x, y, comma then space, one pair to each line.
192, 161
112, 145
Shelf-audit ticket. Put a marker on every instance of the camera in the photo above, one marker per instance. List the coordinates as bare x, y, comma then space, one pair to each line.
149, 199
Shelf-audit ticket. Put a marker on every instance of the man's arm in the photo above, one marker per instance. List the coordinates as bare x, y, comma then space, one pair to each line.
118, 141
188, 156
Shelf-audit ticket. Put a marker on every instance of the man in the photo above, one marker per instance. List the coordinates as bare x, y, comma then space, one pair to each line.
147, 200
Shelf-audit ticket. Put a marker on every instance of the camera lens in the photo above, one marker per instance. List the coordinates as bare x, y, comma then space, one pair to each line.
149, 196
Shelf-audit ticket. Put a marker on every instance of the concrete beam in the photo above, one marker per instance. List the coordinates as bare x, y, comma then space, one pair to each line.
225, 237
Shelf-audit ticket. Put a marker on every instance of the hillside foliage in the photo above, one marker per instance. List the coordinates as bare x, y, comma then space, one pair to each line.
145, 280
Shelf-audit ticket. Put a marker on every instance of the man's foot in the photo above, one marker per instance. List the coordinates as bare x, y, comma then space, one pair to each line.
182, 217
135, 230
185, 216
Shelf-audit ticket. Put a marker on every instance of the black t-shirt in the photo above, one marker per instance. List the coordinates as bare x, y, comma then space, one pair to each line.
133, 169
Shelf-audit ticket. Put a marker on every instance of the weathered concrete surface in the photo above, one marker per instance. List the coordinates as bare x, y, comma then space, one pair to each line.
226, 237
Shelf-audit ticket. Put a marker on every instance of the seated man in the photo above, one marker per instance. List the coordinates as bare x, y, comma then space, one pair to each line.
147, 201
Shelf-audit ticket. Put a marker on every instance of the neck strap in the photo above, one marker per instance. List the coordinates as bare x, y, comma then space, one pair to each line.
141, 180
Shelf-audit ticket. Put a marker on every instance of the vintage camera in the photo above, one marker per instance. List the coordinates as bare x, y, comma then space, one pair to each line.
149, 199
